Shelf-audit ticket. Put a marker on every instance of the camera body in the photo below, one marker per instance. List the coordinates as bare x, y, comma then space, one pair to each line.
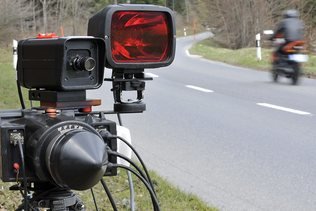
61, 64
45, 138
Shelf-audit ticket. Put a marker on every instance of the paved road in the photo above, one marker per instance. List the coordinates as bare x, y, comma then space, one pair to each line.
228, 134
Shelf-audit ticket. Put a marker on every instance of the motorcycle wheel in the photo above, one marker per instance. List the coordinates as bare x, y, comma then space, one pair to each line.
296, 74
275, 75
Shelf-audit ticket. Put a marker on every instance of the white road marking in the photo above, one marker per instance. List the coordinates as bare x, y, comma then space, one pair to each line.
284, 109
199, 88
191, 55
152, 75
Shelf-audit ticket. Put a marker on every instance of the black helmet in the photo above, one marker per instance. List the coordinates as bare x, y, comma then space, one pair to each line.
291, 14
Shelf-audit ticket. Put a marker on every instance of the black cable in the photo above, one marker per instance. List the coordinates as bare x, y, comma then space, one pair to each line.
94, 200
26, 202
20, 95
108, 193
140, 160
151, 191
21, 208
130, 161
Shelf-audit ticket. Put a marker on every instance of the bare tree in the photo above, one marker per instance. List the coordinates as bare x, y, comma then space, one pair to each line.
44, 8
237, 21
79, 12
15, 16
34, 15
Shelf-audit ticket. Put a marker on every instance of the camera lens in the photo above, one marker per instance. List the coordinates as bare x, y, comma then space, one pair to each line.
77, 159
83, 63
69, 154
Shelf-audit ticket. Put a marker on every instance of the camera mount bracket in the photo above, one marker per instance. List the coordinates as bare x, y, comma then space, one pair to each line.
63, 99
128, 80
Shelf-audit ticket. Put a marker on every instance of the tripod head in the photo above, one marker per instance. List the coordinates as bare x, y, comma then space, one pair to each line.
53, 198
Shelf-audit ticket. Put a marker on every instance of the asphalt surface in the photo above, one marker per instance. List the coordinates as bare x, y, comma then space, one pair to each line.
227, 134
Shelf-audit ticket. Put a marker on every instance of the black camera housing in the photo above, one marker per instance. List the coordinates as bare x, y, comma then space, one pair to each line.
61, 64
38, 132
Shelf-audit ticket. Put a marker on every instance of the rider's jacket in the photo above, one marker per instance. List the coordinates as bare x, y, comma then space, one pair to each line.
291, 29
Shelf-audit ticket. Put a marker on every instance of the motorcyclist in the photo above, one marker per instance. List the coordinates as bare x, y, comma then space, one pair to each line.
291, 29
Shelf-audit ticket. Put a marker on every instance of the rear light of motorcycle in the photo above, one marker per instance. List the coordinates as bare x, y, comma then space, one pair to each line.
136, 36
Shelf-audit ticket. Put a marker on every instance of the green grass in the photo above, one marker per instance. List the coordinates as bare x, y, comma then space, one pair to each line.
170, 197
8, 90
245, 57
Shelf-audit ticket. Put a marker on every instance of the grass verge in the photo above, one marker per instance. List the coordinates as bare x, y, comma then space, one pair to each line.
245, 57
170, 197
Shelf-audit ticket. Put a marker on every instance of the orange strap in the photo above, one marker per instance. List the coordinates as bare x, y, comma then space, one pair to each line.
289, 46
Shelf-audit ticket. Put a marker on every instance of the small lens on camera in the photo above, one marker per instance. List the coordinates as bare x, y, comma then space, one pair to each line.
83, 63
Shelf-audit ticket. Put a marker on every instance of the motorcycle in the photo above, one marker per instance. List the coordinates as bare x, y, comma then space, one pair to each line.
288, 61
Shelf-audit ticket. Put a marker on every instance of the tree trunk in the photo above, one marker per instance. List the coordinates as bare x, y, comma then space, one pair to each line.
44, 6
34, 16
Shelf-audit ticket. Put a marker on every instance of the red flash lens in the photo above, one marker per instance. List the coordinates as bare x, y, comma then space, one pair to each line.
137, 36
140, 37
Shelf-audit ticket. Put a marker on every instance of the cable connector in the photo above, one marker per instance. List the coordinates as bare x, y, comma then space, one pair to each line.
111, 166
106, 134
